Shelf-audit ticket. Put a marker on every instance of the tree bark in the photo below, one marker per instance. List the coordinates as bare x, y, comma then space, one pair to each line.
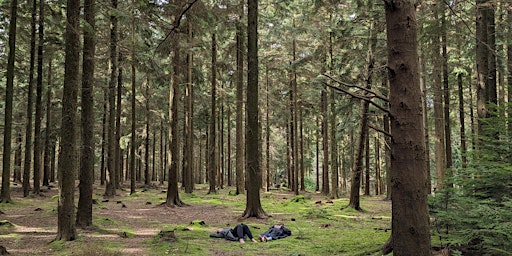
39, 105
5, 196
325, 142
239, 151
84, 212
188, 147
49, 142
410, 220
118, 155
30, 103
439, 119
133, 120
253, 204
110, 188
212, 163
67, 158
173, 198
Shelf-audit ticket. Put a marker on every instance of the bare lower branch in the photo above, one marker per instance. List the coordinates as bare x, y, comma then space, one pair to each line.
358, 87
379, 130
368, 99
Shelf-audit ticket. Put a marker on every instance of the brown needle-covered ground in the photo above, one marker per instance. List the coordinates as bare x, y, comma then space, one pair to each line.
29, 224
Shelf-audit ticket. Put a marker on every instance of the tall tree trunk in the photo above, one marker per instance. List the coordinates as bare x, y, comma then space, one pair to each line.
103, 170
334, 141
294, 170
410, 220
439, 119
325, 143
30, 103
67, 157
212, 163
188, 147
5, 196
239, 172
39, 105
147, 178
253, 206
367, 165
484, 20
84, 212
267, 129
173, 197
387, 155
463, 146
133, 120
446, 95
110, 189
317, 155
301, 150
49, 142
358, 159
118, 156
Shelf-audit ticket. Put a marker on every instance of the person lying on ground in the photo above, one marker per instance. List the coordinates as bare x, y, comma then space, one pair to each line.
238, 233
275, 232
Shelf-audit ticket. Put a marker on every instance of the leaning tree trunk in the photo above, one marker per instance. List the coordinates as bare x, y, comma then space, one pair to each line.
5, 196
253, 204
67, 163
358, 163
410, 220
84, 212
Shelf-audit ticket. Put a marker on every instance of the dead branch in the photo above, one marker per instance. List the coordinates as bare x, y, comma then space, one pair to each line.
379, 130
368, 99
358, 87
177, 22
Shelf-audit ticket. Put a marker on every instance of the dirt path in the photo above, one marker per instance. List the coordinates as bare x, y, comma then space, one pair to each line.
126, 221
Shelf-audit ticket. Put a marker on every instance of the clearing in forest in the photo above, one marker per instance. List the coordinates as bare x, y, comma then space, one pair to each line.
139, 225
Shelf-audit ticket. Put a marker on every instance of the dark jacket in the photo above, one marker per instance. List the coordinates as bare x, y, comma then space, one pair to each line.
226, 233
277, 233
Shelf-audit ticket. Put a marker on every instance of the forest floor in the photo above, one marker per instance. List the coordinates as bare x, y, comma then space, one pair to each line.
130, 224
